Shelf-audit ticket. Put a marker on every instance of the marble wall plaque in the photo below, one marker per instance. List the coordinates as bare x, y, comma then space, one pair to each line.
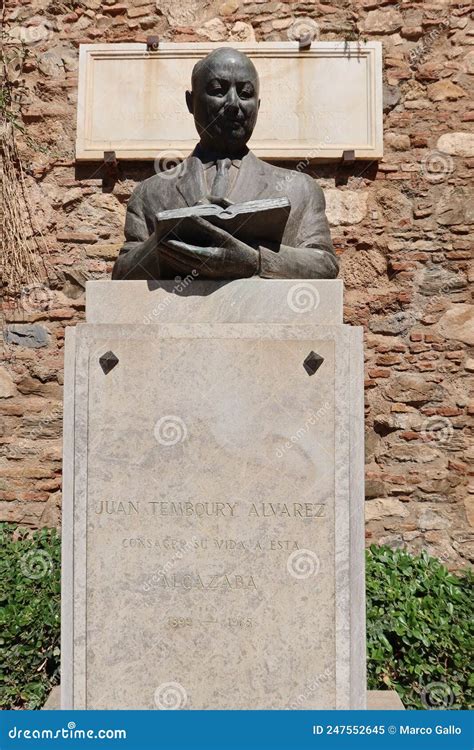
213, 517
315, 104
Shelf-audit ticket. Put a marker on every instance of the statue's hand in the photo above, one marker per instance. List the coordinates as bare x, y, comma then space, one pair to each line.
224, 258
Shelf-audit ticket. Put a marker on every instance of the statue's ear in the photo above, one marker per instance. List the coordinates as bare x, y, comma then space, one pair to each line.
189, 101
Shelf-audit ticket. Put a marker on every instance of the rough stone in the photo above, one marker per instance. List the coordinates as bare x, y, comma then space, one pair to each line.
429, 519
73, 237
31, 336
107, 251
72, 196
362, 267
469, 63
344, 207
374, 488
391, 97
7, 385
469, 508
379, 508
395, 206
392, 324
75, 283
438, 280
397, 141
442, 90
228, 7
242, 32
215, 30
458, 323
187, 14
383, 21
456, 144
115, 10
39, 112
50, 63
412, 388
455, 206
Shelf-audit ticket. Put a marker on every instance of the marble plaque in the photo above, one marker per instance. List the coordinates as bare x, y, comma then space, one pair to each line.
213, 517
315, 104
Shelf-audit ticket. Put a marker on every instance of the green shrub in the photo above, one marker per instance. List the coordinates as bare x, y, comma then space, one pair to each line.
419, 629
419, 624
29, 615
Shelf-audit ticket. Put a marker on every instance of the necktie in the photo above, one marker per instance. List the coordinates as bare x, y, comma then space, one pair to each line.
221, 180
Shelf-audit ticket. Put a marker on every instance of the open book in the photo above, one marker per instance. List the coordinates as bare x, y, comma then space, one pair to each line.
251, 222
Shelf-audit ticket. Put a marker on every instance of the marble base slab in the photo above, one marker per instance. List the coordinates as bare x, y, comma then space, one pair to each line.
377, 700
213, 550
191, 300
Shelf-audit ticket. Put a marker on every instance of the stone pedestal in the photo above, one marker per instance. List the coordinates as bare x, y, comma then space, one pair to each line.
213, 498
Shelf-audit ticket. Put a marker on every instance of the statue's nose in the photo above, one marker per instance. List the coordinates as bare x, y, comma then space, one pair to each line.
232, 104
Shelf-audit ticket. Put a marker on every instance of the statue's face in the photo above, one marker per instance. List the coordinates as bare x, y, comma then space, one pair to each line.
224, 102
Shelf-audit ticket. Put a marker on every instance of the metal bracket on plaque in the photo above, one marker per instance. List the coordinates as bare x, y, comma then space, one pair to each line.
304, 42
348, 157
110, 164
152, 43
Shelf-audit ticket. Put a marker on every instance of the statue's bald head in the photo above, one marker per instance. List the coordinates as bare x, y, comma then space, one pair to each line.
224, 99
226, 56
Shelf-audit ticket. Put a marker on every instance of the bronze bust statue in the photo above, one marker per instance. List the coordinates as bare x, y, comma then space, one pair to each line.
224, 101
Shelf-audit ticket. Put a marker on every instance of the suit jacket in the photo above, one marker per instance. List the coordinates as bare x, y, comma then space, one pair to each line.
306, 250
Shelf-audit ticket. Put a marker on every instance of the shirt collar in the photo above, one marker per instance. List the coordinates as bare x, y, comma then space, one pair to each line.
208, 159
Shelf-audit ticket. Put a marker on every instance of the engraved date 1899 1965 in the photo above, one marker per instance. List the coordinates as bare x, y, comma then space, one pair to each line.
231, 622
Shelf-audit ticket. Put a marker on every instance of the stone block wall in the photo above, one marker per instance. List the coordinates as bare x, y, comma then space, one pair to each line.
401, 227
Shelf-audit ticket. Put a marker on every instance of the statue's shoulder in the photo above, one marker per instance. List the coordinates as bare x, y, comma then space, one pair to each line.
162, 183
159, 181
293, 180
